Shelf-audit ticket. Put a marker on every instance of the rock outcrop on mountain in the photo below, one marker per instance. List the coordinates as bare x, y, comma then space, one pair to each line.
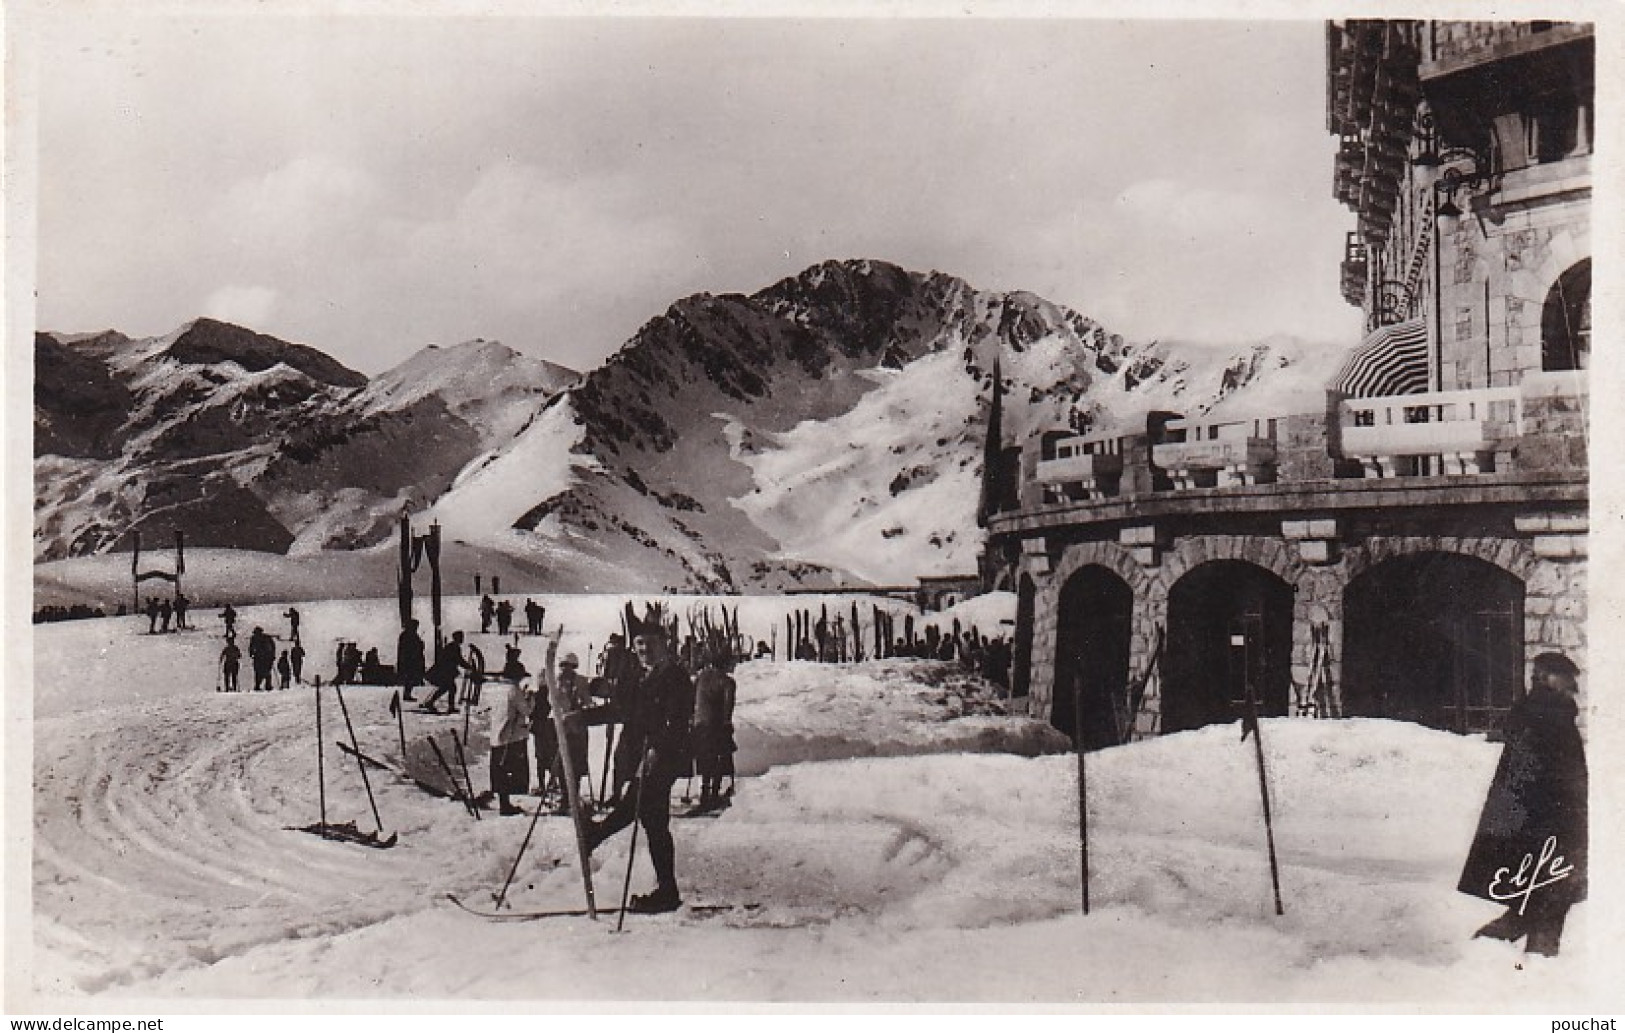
827, 429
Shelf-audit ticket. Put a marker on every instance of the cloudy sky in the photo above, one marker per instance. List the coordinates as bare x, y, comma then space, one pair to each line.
371, 184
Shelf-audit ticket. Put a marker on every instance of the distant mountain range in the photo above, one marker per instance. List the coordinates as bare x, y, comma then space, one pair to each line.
827, 429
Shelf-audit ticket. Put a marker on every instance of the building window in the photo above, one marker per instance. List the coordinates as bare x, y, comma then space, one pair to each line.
1565, 321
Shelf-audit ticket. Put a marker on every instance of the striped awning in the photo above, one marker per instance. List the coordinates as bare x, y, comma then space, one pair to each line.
1393, 360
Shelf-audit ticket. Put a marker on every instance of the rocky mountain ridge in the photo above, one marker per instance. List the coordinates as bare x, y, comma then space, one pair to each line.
827, 429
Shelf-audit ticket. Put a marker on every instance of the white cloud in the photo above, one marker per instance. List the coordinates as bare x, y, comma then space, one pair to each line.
310, 201
244, 305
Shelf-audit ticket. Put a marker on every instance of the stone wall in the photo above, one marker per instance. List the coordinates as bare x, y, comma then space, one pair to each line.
1548, 554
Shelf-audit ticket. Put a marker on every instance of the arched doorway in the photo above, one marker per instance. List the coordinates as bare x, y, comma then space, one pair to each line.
1021, 661
1229, 626
1435, 638
1091, 658
1565, 321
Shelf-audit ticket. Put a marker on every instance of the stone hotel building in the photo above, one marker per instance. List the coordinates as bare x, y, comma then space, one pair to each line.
1405, 548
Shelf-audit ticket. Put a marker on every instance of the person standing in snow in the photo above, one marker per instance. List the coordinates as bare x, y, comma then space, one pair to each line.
284, 671
297, 656
487, 611
533, 617
1530, 850
230, 659
262, 654
152, 615
504, 614
181, 604
510, 733
409, 659
165, 611
566, 680
656, 732
714, 691
230, 617
448, 663
293, 623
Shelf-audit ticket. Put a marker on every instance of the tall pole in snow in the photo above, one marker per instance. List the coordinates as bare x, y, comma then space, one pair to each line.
1250, 724
1083, 788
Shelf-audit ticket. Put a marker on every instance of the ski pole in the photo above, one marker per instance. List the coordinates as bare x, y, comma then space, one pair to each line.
632, 851
451, 776
609, 750
400, 726
321, 772
462, 761
502, 896
356, 743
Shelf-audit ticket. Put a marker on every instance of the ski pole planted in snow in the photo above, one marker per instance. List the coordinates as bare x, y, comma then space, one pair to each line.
632, 851
462, 761
400, 723
365, 781
1250, 724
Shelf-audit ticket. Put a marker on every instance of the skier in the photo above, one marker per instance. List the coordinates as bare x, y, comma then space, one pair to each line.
487, 611
262, 654
657, 733
409, 658
297, 656
284, 670
181, 604
510, 731
448, 660
533, 617
230, 617
714, 746
152, 615
504, 613
165, 611
293, 623
230, 658
1535, 815
572, 688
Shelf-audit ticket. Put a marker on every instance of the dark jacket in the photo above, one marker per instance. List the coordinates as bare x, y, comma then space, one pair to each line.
657, 717
409, 658
1538, 792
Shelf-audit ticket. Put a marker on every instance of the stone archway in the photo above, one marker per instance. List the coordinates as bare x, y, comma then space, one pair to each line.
1229, 632
1565, 321
1433, 637
1093, 638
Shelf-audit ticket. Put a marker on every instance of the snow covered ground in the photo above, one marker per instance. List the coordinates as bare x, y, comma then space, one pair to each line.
904, 843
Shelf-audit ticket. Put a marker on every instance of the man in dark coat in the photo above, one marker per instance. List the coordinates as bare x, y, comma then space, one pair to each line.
230, 658
657, 732
448, 663
1530, 849
262, 654
409, 659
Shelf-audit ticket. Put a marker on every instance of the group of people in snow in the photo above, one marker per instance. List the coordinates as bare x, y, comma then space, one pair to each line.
160, 612
661, 723
288, 664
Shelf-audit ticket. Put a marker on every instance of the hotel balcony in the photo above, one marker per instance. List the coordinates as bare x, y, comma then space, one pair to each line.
1204, 455
1449, 433
1077, 467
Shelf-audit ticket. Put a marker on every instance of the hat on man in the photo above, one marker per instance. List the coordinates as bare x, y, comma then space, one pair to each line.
570, 660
